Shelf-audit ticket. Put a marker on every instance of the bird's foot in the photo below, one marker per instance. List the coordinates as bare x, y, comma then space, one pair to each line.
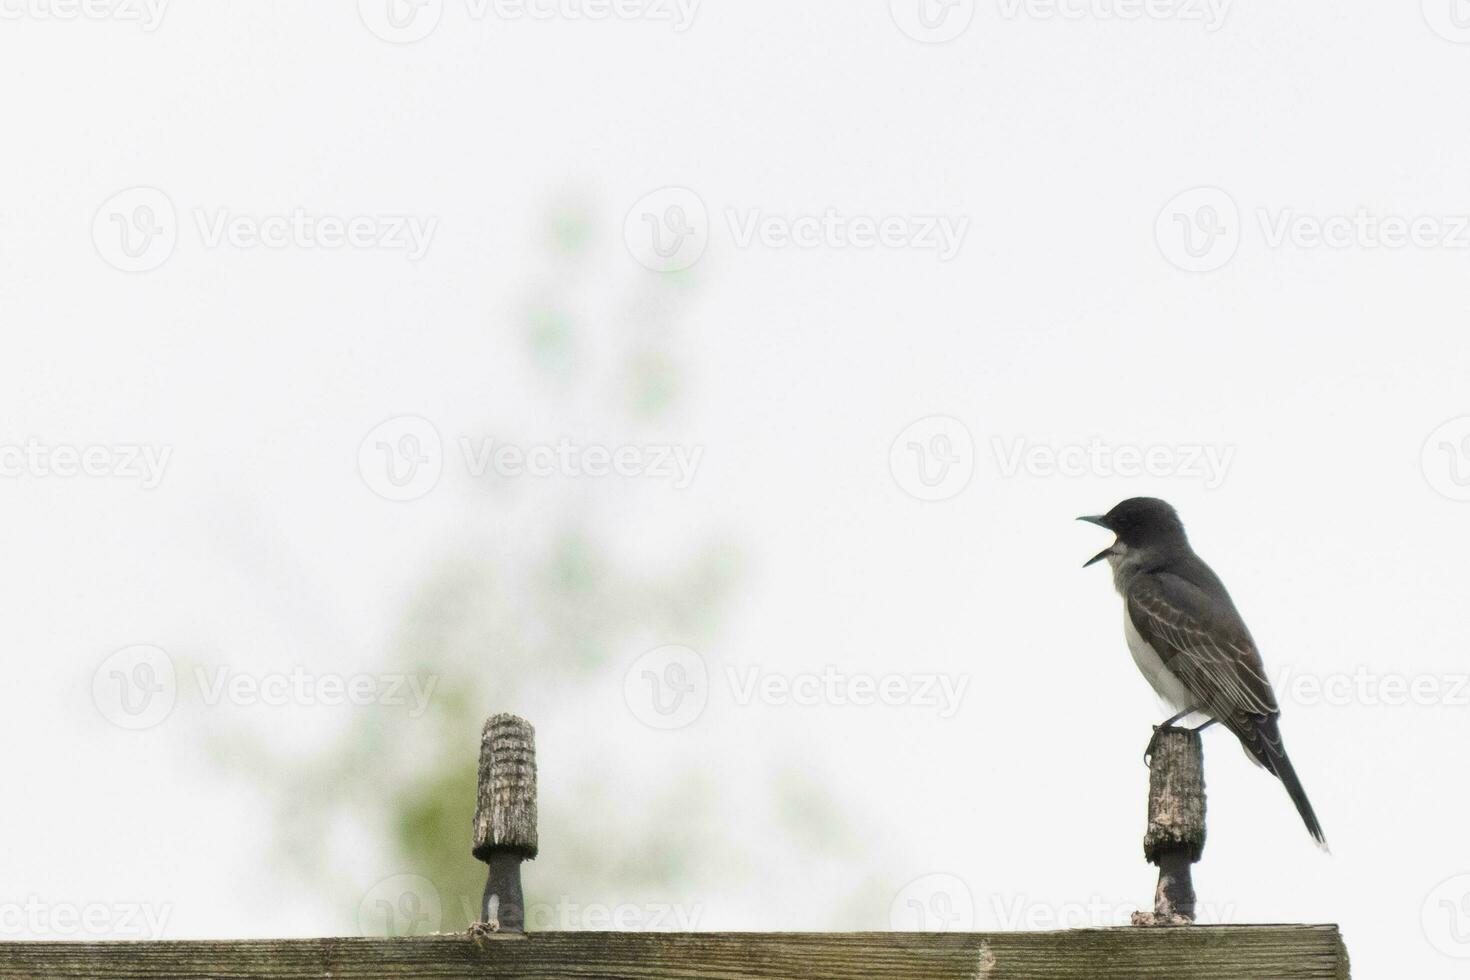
1153, 920
1168, 726
481, 931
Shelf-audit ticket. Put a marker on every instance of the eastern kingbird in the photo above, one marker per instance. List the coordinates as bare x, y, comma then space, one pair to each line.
1188, 639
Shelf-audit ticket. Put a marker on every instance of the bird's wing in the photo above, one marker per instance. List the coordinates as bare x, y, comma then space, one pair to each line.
1204, 642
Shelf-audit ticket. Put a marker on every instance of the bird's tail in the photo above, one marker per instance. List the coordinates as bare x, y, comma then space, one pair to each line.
1262, 742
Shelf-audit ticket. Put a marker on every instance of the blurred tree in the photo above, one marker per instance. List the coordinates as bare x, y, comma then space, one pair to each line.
533, 628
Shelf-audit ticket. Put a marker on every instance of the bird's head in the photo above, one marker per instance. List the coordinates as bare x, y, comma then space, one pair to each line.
1139, 522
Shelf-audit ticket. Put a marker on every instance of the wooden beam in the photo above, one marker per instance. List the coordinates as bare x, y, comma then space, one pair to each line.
1286, 952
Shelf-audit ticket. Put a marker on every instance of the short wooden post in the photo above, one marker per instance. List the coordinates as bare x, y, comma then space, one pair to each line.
1176, 824
505, 819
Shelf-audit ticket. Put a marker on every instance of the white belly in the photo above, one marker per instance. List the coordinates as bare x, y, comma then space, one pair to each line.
1168, 687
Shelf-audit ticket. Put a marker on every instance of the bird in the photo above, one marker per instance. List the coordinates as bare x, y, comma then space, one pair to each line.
1190, 642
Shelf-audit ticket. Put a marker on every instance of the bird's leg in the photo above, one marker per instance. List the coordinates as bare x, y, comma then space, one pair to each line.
1183, 714
1148, 752
1204, 726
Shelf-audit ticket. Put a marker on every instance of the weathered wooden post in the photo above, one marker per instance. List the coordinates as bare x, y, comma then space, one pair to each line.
1176, 824
505, 819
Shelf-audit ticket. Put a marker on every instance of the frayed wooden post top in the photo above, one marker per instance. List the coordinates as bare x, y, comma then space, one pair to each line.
505, 819
1176, 823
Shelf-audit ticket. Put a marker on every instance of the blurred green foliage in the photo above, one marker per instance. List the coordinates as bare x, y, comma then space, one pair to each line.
502, 630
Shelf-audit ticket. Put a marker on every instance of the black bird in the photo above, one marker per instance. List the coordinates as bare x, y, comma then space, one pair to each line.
1188, 639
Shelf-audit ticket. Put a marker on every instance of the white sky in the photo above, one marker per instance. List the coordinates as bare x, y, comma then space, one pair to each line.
1323, 370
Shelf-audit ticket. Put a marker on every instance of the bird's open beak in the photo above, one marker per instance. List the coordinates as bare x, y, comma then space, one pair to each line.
1103, 523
